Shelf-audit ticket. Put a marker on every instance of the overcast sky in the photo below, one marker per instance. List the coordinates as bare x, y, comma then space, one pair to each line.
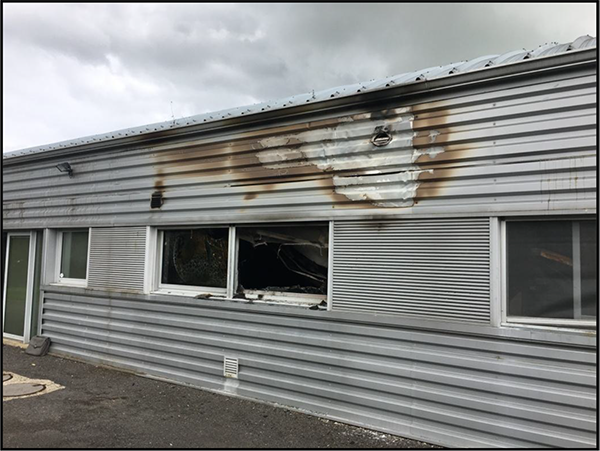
72, 70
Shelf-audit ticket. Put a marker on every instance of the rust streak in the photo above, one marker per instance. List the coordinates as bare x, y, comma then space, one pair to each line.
432, 131
426, 136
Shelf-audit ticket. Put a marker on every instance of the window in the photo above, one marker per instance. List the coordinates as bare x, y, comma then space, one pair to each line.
284, 263
73, 257
194, 259
552, 272
279, 260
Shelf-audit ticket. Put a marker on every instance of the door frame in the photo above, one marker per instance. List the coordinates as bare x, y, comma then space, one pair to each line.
29, 293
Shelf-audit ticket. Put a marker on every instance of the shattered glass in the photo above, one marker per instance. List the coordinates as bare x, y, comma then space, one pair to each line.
195, 257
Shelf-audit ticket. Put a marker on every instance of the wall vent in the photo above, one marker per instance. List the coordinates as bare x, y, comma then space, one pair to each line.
230, 367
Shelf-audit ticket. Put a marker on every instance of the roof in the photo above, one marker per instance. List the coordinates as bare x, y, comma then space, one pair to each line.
581, 43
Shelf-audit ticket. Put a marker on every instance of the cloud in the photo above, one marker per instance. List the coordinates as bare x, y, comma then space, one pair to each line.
72, 70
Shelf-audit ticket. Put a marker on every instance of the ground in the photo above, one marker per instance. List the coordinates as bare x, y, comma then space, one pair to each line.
106, 408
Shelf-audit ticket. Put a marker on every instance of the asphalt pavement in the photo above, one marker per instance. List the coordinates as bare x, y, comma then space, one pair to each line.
104, 408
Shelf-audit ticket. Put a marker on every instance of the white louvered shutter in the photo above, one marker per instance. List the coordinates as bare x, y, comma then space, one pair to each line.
117, 258
438, 268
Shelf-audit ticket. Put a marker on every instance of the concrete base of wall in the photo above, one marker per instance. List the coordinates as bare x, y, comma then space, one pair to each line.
11, 342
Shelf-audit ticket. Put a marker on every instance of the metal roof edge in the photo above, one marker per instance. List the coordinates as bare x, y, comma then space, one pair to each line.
289, 107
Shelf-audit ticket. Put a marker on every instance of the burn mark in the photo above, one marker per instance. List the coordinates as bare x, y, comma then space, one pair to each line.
433, 133
265, 184
385, 114
360, 170
156, 199
355, 172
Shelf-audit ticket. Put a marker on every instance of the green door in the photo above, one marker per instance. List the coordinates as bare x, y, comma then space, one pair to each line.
17, 281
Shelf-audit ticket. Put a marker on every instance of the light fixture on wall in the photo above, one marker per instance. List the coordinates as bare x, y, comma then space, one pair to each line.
65, 167
156, 200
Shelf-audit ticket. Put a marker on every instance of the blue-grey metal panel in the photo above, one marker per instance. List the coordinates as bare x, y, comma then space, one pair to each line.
449, 388
525, 146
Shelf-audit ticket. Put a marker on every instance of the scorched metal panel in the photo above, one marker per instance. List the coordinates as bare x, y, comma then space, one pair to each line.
517, 146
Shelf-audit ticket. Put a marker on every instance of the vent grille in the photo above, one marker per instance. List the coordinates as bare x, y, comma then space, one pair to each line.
117, 258
230, 367
430, 268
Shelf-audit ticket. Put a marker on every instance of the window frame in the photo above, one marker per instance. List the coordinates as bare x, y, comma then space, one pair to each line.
287, 297
31, 262
67, 281
187, 290
505, 319
230, 292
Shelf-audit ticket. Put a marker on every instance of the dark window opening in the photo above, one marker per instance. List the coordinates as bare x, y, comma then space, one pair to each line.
195, 257
552, 269
284, 259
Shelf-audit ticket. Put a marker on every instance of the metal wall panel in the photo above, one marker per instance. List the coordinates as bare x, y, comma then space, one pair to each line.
437, 268
441, 387
117, 258
524, 145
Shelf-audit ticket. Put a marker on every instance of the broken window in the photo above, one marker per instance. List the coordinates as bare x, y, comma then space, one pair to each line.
286, 259
552, 270
195, 257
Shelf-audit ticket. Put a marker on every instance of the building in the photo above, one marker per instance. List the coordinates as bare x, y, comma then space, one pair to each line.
417, 254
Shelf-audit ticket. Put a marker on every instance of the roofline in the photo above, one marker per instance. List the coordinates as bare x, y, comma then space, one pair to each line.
560, 61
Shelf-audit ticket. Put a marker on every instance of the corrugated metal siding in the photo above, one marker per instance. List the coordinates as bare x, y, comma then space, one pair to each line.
432, 268
523, 146
117, 258
445, 388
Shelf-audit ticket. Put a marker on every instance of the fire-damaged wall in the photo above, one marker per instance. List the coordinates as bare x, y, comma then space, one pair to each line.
516, 146
385, 211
